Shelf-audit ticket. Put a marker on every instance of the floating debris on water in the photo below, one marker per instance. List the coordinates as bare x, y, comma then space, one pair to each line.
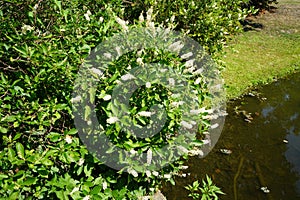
226, 151
251, 94
247, 120
265, 190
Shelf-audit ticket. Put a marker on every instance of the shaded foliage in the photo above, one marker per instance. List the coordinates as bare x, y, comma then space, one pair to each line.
260, 4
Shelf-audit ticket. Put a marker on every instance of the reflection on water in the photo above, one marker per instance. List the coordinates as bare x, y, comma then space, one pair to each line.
263, 133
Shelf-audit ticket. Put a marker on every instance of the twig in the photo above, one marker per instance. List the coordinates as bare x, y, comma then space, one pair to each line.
261, 179
236, 178
10, 68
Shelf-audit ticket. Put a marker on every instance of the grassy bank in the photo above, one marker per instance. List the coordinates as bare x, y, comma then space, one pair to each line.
269, 50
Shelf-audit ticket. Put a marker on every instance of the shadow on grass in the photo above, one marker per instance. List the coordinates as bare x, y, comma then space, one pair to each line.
250, 25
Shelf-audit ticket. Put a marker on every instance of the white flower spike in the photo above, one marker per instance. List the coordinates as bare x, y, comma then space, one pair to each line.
112, 120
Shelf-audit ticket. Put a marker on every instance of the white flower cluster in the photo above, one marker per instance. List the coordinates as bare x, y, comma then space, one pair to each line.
148, 173
133, 172
190, 68
176, 46
210, 117
141, 17
118, 49
184, 167
107, 97
187, 55
68, 139
186, 124
189, 63
148, 85
163, 70
196, 152
145, 114
87, 15
149, 22
104, 185
176, 104
81, 161
107, 55
75, 189
149, 14
198, 80
96, 71
127, 77
140, 61
76, 99
183, 149
184, 175
216, 125
112, 120
122, 23
149, 156
198, 71
133, 152
26, 28
88, 197
171, 81
206, 141
155, 173
167, 176
201, 110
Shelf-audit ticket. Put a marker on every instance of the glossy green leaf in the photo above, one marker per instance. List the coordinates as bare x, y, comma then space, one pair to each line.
20, 150
29, 181
3, 130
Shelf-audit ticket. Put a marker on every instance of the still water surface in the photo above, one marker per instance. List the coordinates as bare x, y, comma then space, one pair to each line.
263, 132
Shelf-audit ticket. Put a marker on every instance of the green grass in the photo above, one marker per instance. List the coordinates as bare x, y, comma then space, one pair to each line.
261, 56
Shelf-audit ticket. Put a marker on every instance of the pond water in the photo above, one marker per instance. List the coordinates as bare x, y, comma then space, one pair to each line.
263, 132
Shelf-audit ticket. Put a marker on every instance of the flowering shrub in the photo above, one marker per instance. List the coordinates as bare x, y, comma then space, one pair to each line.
210, 22
42, 46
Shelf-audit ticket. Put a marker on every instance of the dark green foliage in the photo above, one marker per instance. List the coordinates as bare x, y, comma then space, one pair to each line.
260, 4
42, 45
210, 22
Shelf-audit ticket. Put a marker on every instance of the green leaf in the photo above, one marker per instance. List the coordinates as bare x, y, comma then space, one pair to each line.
11, 154
54, 137
58, 4
30, 14
197, 143
3, 130
47, 162
20, 150
79, 170
92, 93
114, 108
3, 176
17, 136
172, 181
14, 195
10, 118
96, 190
43, 172
29, 181
87, 112
73, 131
61, 195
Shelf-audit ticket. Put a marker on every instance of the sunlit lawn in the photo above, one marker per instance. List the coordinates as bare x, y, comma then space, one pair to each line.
263, 55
